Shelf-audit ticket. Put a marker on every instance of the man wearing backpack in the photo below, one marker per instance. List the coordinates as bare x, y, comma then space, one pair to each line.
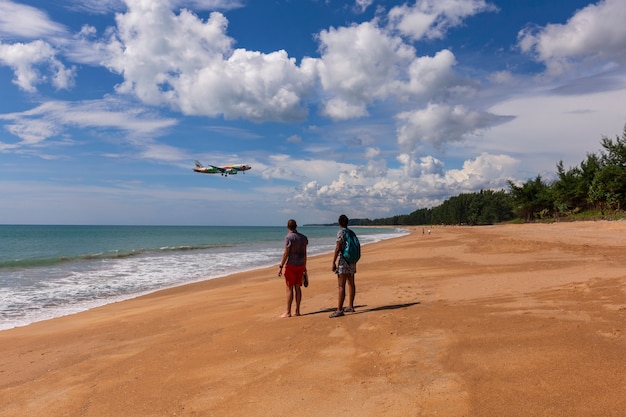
347, 253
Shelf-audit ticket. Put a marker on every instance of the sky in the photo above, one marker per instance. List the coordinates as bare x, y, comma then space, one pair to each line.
363, 107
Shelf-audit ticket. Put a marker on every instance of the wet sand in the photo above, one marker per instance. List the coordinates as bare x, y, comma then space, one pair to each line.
507, 320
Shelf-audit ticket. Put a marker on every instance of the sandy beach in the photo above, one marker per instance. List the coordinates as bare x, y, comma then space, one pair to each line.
506, 320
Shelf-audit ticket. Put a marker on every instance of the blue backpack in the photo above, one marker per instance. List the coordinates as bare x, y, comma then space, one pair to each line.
352, 250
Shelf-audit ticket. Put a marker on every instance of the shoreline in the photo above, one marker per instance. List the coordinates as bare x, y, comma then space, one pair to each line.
71, 309
511, 320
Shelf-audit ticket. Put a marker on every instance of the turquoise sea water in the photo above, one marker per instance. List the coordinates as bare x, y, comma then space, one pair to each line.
50, 271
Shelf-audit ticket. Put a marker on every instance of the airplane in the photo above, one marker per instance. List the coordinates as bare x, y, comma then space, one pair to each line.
224, 170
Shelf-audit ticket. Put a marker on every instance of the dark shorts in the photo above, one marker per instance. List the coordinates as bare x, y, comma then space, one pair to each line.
293, 275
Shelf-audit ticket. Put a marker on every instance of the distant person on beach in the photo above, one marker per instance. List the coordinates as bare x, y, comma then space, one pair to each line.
345, 270
294, 264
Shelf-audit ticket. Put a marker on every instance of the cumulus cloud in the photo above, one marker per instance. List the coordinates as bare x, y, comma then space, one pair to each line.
431, 19
596, 34
438, 124
375, 169
26, 60
429, 75
359, 64
363, 63
195, 70
486, 172
37, 61
418, 167
422, 181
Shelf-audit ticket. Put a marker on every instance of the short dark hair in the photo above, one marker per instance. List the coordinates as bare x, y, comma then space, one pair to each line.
343, 220
292, 225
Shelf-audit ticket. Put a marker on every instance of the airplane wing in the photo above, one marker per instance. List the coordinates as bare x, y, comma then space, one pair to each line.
219, 169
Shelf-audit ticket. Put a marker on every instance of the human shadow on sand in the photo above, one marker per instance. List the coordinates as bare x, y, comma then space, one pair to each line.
359, 309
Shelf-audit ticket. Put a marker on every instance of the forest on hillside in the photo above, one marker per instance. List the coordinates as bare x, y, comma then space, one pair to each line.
595, 188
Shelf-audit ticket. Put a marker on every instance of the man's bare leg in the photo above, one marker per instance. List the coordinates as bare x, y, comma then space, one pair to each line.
298, 299
341, 286
341, 295
351, 291
289, 293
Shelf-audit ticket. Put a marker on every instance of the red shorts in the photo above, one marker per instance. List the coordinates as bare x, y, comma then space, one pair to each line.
293, 274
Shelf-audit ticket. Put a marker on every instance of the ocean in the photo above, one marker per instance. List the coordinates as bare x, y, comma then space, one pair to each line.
52, 271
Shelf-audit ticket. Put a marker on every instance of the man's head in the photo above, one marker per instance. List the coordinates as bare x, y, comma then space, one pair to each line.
343, 220
292, 225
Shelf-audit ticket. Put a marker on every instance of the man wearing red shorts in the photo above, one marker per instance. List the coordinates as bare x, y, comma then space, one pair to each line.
294, 264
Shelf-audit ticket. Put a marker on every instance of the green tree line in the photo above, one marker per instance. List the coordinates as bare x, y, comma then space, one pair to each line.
597, 185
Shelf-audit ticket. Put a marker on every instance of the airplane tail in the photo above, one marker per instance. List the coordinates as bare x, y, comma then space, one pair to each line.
198, 164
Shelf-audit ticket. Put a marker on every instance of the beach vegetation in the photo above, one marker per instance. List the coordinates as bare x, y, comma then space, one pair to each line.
595, 189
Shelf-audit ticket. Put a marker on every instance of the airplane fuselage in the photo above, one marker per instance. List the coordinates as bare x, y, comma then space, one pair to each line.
223, 170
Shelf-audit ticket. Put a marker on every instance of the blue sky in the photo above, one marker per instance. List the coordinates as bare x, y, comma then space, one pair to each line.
368, 108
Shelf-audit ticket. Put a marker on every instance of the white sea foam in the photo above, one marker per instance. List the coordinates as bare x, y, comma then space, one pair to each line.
40, 293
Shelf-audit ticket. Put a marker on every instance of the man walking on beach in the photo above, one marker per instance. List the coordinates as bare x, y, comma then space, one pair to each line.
294, 263
344, 269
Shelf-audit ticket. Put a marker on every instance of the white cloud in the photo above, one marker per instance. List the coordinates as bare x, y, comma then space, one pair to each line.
431, 19
502, 77
360, 64
195, 70
372, 152
596, 34
375, 169
484, 172
549, 127
431, 75
375, 190
439, 124
34, 131
26, 58
161, 152
284, 167
365, 63
52, 118
340, 109
424, 165
37, 61
107, 6
22, 21
294, 139
362, 5
250, 85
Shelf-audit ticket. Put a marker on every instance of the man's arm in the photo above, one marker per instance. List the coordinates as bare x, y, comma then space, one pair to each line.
283, 261
337, 251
